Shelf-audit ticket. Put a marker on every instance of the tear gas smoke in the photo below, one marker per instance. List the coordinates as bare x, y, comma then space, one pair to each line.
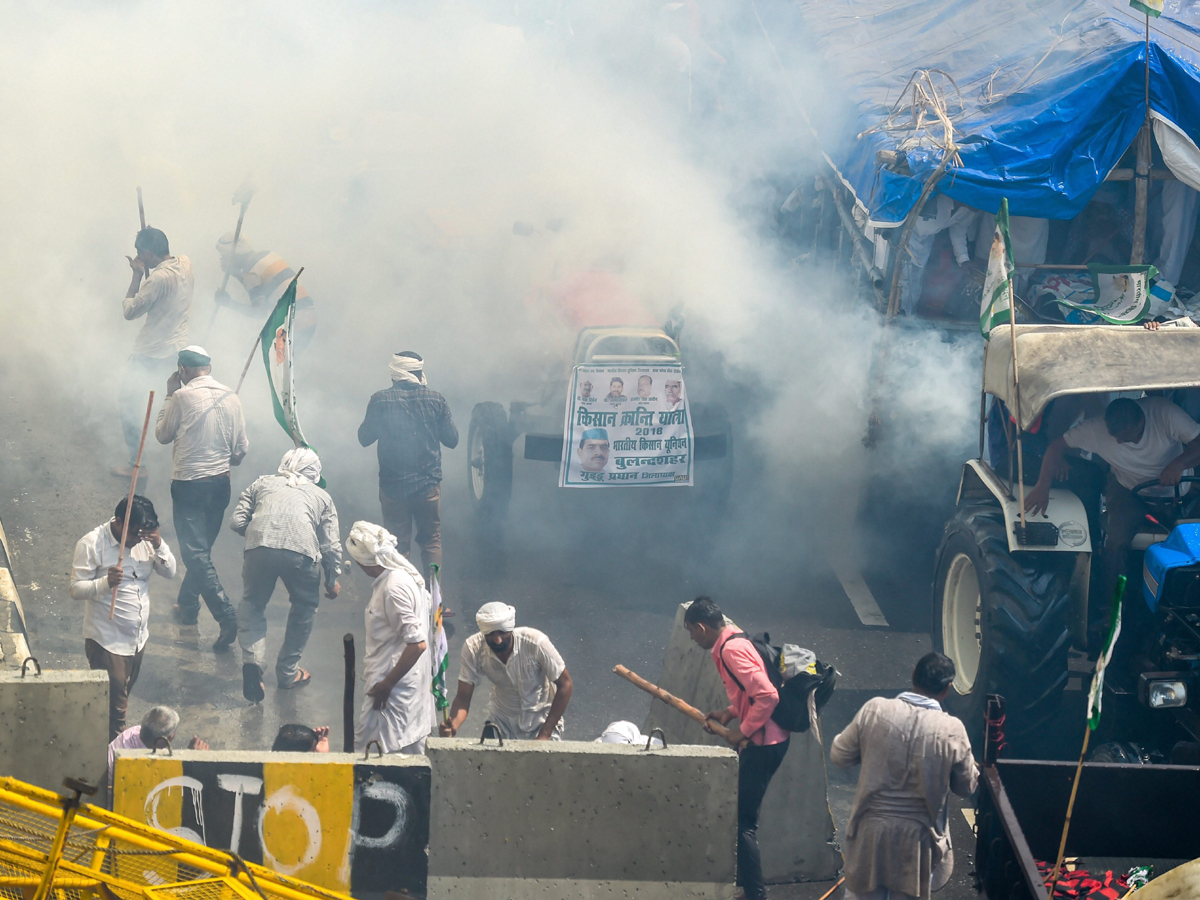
393, 147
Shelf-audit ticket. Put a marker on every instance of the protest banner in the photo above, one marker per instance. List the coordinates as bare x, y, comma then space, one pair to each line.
627, 426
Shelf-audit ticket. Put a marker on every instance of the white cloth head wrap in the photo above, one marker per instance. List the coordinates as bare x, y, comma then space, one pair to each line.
299, 465
623, 732
407, 368
373, 545
496, 616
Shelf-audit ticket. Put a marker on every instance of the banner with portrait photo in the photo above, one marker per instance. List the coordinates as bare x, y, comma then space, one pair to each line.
627, 426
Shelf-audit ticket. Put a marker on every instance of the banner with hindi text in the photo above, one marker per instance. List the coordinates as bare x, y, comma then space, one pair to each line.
627, 426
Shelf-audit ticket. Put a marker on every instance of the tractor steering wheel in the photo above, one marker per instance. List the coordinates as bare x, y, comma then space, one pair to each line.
1169, 510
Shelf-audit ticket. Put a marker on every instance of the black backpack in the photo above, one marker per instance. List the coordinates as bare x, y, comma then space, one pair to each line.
791, 713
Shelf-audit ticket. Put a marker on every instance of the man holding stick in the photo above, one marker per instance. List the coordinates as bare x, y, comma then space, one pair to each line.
161, 290
116, 645
204, 420
761, 744
397, 708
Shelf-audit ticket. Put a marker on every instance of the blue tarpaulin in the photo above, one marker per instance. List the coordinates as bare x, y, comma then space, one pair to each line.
1052, 91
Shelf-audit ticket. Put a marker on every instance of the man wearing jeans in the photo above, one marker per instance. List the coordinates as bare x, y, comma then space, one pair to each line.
291, 530
761, 744
160, 289
204, 420
411, 423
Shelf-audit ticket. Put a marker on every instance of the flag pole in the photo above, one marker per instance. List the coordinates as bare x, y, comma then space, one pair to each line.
142, 209
1101, 664
1012, 331
137, 465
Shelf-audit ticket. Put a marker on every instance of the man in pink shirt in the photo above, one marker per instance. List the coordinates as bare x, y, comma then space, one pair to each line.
761, 744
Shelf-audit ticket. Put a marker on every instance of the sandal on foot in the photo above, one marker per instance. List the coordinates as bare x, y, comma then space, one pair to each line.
302, 678
253, 688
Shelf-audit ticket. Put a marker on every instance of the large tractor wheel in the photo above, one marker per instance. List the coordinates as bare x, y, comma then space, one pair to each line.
489, 463
1004, 618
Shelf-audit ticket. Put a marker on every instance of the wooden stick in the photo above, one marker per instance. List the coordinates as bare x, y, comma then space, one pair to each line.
112, 606
1012, 331
1062, 844
249, 359
237, 233
671, 700
141, 210
829, 893
348, 695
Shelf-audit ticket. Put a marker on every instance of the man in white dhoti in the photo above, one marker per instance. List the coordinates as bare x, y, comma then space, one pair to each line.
912, 756
397, 709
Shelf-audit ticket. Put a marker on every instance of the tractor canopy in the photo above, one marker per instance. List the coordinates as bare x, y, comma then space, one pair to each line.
1059, 360
609, 345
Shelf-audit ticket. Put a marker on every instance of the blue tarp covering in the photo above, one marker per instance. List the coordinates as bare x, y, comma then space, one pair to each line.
1052, 90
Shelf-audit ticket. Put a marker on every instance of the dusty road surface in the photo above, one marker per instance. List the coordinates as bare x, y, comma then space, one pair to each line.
601, 575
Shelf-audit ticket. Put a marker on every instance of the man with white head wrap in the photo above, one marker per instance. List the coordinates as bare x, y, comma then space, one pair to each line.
411, 423
397, 708
291, 530
530, 683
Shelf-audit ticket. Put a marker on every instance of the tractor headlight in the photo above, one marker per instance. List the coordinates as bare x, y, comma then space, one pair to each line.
1162, 690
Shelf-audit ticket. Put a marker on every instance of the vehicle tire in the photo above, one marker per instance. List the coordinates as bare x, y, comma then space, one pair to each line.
1004, 618
713, 478
489, 462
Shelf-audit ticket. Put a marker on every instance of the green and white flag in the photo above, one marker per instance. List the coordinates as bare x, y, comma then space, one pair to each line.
278, 356
997, 284
1149, 7
1122, 293
1095, 695
441, 651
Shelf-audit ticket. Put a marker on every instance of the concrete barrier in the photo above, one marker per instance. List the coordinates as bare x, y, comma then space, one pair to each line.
569, 821
333, 819
55, 725
795, 830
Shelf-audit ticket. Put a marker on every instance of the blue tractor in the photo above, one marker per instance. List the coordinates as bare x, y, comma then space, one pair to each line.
1015, 604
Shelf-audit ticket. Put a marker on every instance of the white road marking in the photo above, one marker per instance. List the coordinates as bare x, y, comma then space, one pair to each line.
859, 593
969, 815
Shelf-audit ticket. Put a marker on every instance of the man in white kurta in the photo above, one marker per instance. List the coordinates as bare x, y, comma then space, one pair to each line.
912, 756
397, 708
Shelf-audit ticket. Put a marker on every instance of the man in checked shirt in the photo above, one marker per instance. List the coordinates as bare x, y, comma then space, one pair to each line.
291, 530
411, 423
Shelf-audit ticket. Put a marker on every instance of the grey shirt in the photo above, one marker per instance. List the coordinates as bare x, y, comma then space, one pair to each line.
301, 518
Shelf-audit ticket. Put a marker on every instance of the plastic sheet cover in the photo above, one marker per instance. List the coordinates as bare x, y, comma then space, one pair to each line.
1052, 91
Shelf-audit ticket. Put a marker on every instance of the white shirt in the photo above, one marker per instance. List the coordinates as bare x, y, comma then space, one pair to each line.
165, 299
128, 630
129, 739
204, 419
398, 614
523, 688
1167, 429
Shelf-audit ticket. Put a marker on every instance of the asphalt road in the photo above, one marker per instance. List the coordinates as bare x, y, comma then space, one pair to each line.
600, 572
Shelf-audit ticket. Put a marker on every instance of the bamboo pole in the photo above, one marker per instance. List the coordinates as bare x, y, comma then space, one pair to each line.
671, 700
1012, 331
137, 465
1062, 844
141, 210
237, 233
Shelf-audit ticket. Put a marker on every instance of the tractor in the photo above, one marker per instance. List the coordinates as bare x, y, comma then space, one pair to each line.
1013, 593
493, 431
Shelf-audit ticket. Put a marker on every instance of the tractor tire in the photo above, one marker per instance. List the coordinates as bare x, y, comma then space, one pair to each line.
1004, 618
489, 463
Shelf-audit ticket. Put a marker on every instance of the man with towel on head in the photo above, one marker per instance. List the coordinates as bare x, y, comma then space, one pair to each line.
397, 708
291, 530
411, 423
204, 420
530, 684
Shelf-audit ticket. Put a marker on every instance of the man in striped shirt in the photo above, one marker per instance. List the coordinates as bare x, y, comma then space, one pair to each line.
291, 530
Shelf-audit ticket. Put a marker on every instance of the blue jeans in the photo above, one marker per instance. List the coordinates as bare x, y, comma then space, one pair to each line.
143, 374
262, 567
199, 511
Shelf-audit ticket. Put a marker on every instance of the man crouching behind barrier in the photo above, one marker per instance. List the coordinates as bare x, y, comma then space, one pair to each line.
397, 709
530, 684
